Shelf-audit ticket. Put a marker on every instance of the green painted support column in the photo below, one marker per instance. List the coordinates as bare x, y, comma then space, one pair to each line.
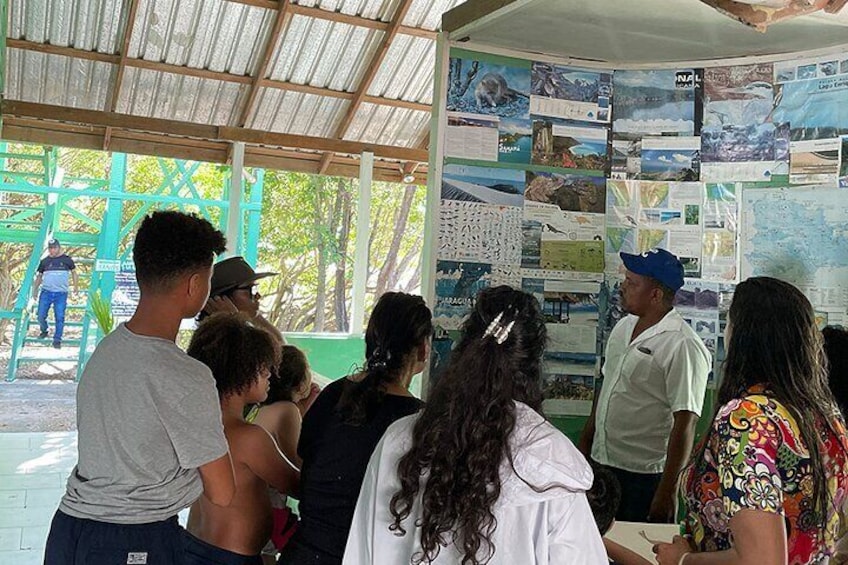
107, 250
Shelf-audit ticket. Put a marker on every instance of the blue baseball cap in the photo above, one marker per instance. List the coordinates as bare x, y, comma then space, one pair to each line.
658, 264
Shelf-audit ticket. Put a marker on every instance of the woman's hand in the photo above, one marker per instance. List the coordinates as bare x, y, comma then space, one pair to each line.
217, 304
672, 553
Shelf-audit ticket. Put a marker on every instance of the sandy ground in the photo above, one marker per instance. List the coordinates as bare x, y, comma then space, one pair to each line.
43, 395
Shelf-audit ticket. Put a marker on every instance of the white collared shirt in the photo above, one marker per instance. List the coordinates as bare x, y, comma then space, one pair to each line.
663, 371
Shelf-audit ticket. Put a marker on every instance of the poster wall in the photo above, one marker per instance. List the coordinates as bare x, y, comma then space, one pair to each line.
550, 171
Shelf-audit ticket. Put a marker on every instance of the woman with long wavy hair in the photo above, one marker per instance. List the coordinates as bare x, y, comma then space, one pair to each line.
480, 476
342, 427
766, 484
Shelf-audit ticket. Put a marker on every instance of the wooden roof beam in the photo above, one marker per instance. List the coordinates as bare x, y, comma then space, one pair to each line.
206, 73
370, 73
112, 103
205, 132
350, 19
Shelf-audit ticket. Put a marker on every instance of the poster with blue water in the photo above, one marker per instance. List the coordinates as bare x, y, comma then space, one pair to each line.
487, 84
657, 102
514, 141
457, 285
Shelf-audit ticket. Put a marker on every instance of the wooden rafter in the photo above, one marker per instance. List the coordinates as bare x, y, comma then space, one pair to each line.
321, 14
370, 73
207, 74
112, 103
265, 59
204, 132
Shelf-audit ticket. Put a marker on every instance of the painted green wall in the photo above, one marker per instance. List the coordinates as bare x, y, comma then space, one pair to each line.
335, 356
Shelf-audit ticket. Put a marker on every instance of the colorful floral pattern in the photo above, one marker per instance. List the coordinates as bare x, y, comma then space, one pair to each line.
756, 459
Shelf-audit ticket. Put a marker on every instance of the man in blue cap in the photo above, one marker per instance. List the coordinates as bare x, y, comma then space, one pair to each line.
54, 272
642, 424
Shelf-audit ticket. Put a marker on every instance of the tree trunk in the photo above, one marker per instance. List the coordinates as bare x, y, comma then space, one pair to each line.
321, 252
340, 298
387, 273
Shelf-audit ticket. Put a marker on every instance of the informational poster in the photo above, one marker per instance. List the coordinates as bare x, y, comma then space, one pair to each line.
457, 285
815, 161
126, 294
570, 93
670, 158
470, 136
656, 102
557, 143
489, 85
500, 187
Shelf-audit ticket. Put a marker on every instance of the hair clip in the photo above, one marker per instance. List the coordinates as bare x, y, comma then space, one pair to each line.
497, 330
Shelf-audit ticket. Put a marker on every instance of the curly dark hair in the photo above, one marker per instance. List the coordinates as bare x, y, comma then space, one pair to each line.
774, 342
604, 497
399, 324
836, 351
234, 349
288, 376
461, 437
169, 244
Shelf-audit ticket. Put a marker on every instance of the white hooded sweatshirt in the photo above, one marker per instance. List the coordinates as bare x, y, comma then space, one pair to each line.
533, 528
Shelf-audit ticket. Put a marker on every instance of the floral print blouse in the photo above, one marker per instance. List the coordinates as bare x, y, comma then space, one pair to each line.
755, 459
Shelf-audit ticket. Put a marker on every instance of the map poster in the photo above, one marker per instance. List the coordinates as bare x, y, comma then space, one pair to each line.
798, 235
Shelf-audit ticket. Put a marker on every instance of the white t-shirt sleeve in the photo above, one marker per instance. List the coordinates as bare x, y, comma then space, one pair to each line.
686, 377
573, 536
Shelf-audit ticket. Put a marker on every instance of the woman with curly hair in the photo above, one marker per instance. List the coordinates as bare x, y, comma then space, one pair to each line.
480, 476
766, 484
347, 420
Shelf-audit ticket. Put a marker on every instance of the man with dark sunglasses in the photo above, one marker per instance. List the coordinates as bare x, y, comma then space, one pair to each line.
233, 289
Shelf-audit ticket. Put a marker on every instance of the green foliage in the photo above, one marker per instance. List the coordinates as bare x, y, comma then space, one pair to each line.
102, 312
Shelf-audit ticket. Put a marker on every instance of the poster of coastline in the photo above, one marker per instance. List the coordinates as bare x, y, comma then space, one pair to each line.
565, 301
812, 96
657, 102
576, 193
471, 231
487, 84
568, 383
558, 143
457, 285
570, 93
469, 136
814, 161
670, 158
489, 185
514, 140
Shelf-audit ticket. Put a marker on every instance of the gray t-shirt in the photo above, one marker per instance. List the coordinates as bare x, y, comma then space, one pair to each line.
148, 416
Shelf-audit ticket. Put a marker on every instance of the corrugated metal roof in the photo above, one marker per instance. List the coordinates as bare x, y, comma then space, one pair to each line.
371, 9
53, 79
427, 14
204, 34
388, 126
324, 53
298, 113
407, 70
177, 97
92, 25
230, 37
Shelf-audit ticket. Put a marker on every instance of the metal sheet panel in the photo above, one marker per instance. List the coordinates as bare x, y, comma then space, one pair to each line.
297, 113
388, 126
207, 34
323, 53
92, 25
58, 80
407, 70
176, 97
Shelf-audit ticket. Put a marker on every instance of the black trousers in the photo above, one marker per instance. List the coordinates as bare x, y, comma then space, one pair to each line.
76, 541
637, 493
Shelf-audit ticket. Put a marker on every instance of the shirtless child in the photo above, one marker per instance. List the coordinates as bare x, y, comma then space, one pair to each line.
239, 355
